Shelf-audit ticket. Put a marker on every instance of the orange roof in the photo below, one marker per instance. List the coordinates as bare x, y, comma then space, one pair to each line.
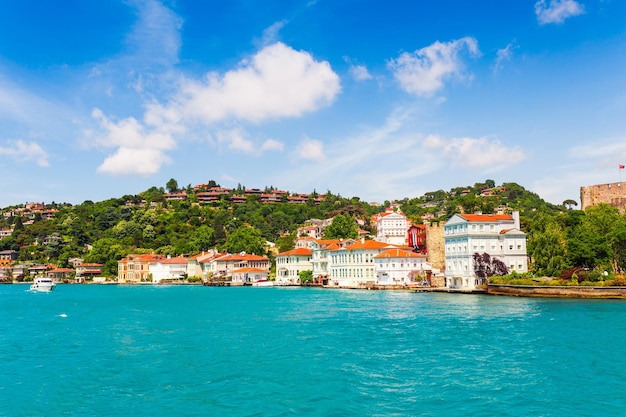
144, 257
297, 252
244, 257
244, 270
209, 256
486, 217
176, 260
399, 253
368, 244
58, 270
88, 265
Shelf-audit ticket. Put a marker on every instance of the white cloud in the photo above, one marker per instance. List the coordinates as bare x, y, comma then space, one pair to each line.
235, 140
312, 150
556, 11
155, 35
424, 71
475, 152
360, 73
276, 82
139, 151
22, 152
270, 35
504, 55
128, 161
272, 145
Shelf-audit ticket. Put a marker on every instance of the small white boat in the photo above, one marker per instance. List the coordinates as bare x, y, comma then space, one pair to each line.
263, 283
42, 285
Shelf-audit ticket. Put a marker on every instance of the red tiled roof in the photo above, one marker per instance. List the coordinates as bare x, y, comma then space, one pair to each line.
244, 270
176, 260
486, 217
369, 244
296, 252
399, 253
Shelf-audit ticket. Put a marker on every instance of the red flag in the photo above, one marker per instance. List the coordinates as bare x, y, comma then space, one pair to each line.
621, 167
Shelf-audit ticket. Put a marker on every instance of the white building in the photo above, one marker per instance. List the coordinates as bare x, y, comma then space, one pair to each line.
168, 268
400, 267
223, 266
498, 235
289, 264
321, 257
392, 227
249, 275
353, 265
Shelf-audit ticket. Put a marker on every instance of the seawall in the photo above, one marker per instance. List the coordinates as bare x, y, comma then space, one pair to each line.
555, 291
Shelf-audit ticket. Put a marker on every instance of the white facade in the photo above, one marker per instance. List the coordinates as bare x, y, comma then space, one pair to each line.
495, 234
289, 265
169, 268
399, 267
353, 265
392, 228
224, 265
321, 256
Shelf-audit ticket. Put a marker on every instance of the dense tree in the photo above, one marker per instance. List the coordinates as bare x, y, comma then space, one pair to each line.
305, 276
342, 227
570, 203
245, 239
547, 245
172, 185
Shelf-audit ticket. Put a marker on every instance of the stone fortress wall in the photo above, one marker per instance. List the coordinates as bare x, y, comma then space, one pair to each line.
435, 245
613, 194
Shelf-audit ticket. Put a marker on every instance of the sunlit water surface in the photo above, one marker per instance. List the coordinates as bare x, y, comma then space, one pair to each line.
87, 350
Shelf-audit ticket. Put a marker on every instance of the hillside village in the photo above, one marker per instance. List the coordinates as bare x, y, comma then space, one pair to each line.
432, 241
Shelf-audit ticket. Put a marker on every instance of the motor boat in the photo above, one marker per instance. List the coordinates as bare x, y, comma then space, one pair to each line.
42, 285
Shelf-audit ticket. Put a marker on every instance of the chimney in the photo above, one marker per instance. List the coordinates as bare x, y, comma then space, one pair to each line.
515, 216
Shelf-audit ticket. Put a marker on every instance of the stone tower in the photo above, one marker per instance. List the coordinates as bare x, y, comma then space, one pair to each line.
613, 194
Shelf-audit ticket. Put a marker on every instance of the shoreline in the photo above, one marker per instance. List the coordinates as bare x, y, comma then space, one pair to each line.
557, 291
538, 291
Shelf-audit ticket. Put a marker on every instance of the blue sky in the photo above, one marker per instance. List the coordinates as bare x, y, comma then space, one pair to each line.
380, 100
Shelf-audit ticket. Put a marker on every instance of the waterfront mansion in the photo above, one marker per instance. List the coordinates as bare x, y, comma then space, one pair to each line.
498, 235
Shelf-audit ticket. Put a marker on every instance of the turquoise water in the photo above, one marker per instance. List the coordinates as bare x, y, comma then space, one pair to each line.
206, 351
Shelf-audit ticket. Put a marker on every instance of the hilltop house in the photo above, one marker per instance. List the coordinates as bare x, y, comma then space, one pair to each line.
498, 235
391, 227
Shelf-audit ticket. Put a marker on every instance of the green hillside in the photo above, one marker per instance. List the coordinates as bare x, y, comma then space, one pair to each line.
104, 232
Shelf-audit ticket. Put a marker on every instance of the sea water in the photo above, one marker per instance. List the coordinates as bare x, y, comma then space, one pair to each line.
100, 350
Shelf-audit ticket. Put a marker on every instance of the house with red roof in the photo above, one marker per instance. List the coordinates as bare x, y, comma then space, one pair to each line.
399, 266
353, 265
168, 269
247, 276
321, 249
135, 268
391, 226
498, 235
221, 266
289, 264
87, 271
